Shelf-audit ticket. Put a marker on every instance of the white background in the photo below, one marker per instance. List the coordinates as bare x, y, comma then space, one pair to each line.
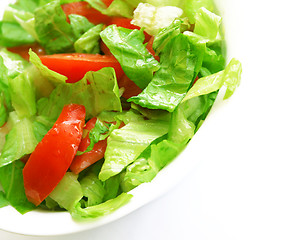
238, 188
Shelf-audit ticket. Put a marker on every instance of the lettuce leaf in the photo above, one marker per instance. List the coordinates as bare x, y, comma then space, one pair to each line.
12, 34
20, 141
11, 179
102, 209
126, 144
79, 24
180, 63
89, 42
3, 201
23, 96
128, 48
54, 32
68, 192
100, 94
230, 78
191, 8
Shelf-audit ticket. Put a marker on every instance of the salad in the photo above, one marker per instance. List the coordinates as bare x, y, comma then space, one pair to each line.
97, 96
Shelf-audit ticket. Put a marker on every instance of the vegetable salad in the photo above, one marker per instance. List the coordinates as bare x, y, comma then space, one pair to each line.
97, 96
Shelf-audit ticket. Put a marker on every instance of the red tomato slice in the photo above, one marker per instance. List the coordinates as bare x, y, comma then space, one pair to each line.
131, 89
52, 157
87, 159
84, 9
107, 2
75, 65
23, 50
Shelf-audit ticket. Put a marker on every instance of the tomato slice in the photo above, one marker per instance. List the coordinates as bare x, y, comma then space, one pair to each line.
87, 159
84, 9
75, 65
131, 89
52, 157
24, 49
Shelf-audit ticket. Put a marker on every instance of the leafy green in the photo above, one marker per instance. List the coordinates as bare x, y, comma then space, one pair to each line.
230, 78
3, 201
79, 24
146, 167
46, 73
207, 25
192, 7
180, 63
100, 94
68, 192
126, 144
12, 34
22, 94
153, 19
128, 48
102, 209
13, 62
55, 33
20, 141
11, 179
89, 41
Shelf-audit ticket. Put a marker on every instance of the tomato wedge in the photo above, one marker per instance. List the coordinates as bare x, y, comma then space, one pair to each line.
84, 9
87, 159
24, 49
75, 65
53, 155
131, 89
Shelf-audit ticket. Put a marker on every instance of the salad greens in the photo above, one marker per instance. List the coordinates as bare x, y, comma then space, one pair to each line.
141, 133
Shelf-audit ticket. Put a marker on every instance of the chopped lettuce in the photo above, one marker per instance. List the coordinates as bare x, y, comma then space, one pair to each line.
23, 96
79, 24
89, 42
128, 48
102, 209
20, 141
97, 91
126, 144
3, 201
153, 19
180, 63
230, 78
68, 192
55, 33
11, 179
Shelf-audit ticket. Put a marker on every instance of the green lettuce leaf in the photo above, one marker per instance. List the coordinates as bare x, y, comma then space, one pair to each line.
20, 141
102, 209
13, 62
68, 192
128, 48
11, 179
153, 19
230, 78
79, 24
12, 34
54, 32
207, 25
45, 72
192, 7
180, 63
3, 201
101, 94
22, 94
89, 42
146, 167
126, 144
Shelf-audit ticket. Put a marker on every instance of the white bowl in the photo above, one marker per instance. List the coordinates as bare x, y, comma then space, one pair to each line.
36, 222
